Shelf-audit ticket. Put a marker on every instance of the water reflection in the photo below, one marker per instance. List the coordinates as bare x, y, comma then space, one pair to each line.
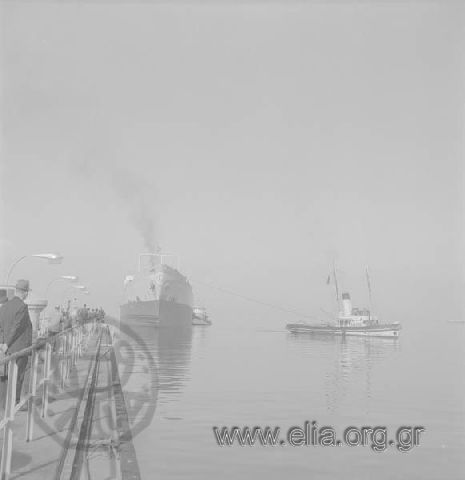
347, 361
172, 350
154, 367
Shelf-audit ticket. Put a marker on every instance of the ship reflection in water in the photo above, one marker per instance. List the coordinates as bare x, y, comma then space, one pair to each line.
154, 368
181, 383
354, 360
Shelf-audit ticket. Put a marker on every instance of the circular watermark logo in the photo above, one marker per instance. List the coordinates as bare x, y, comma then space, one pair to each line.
115, 380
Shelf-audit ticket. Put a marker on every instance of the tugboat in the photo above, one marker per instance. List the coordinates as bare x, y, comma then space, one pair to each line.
350, 321
158, 293
200, 317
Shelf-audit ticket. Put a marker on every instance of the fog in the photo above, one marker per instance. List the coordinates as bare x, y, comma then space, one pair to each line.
258, 142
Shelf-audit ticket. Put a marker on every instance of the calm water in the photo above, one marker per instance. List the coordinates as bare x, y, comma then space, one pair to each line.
178, 386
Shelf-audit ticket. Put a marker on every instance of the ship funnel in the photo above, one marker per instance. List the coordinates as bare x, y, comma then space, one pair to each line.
346, 304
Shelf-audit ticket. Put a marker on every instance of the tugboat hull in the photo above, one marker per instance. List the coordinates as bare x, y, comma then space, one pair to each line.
380, 330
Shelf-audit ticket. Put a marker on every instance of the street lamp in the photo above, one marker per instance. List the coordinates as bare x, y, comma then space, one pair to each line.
70, 278
73, 278
52, 258
79, 287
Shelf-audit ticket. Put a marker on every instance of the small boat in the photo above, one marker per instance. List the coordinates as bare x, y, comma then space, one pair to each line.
350, 321
200, 317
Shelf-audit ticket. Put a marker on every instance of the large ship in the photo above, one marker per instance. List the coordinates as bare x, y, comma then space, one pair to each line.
158, 293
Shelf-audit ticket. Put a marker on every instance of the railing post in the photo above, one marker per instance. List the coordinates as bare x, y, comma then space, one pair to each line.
9, 416
67, 353
48, 352
76, 346
32, 398
73, 348
70, 352
62, 361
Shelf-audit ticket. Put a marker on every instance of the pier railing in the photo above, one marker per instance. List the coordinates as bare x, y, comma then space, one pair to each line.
67, 346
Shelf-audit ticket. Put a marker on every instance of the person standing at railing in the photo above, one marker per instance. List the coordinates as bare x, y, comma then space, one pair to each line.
16, 329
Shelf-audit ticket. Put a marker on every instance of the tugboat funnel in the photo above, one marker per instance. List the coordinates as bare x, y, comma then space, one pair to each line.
346, 304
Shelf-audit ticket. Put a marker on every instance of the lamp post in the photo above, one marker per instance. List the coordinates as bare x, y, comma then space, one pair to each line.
70, 278
52, 258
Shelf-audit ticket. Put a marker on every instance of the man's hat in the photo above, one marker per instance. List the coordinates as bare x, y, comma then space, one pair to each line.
22, 285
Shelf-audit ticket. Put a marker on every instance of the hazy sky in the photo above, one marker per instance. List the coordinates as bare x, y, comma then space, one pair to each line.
262, 140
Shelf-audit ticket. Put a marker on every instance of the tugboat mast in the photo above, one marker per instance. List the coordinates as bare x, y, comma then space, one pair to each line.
335, 282
369, 290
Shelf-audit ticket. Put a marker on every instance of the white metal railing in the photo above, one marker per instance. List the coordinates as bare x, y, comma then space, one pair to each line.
68, 345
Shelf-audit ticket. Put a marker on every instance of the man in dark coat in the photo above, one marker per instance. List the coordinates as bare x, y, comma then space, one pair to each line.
16, 329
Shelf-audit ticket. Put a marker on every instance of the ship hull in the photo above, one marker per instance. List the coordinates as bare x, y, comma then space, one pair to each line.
200, 321
161, 313
380, 330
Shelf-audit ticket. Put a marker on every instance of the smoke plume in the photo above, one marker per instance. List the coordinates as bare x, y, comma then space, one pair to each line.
139, 197
135, 192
